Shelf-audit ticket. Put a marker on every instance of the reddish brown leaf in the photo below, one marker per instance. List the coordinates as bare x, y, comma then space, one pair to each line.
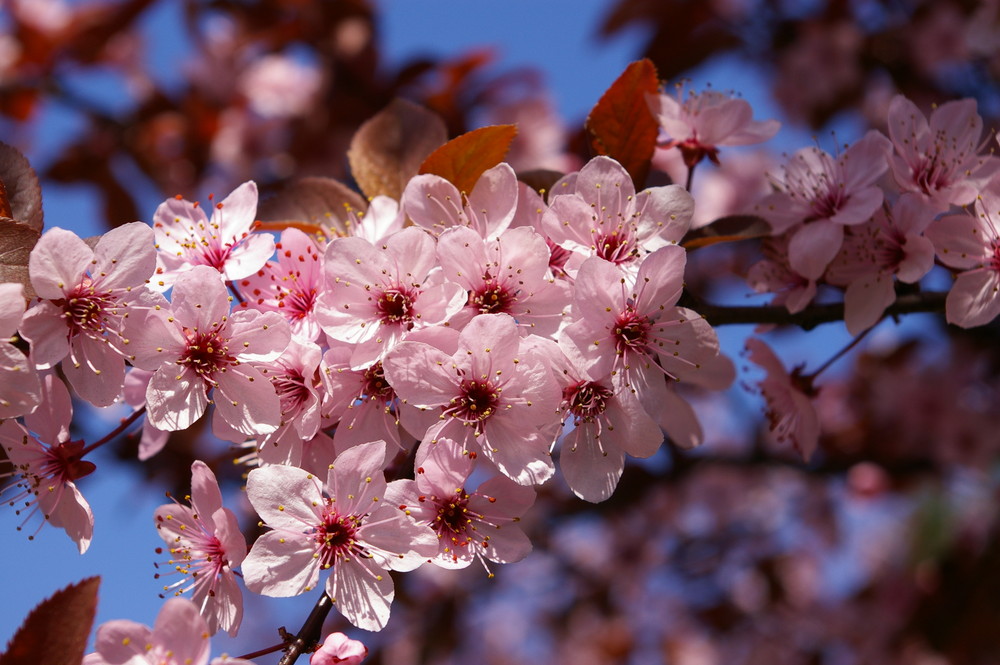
621, 126
313, 205
16, 243
727, 229
389, 148
20, 187
464, 158
56, 631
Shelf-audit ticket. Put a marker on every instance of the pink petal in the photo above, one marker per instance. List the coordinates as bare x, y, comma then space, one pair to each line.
12, 307
205, 495
283, 496
46, 331
865, 301
118, 641
58, 262
175, 398
199, 299
247, 401
180, 628
974, 299
362, 592
125, 257
813, 246
249, 256
20, 391
280, 566
592, 473
258, 336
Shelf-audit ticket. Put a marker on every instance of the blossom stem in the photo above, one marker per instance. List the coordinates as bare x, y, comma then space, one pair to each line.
263, 652
115, 432
308, 636
838, 355
690, 177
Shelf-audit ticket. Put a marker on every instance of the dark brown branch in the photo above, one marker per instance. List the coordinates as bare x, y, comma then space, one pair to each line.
308, 636
814, 315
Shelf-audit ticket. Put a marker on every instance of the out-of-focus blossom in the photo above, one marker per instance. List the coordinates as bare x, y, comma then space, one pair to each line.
701, 122
790, 409
279, 86
939, 159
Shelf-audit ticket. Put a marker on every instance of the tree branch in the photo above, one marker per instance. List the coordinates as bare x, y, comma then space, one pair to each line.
814, 315
308, 636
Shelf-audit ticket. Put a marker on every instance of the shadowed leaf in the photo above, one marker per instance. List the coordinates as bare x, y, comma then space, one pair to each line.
621, 126
20, 192
313, 205
727, 229
16, 242
463, 159
56, 631
388, 149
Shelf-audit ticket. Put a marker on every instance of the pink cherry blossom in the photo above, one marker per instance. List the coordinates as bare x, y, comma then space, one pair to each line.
790, 409
179, 637
628, 331
376, 295
290, 285
477, 525
339, 649
87, 294
343, 525
494, 395
361, 402
186, 237
295, 377
891, 244
941, 160
607, 423
699, 124
205, 545
772, 274
46, 465
196, 345
818, 195
970, 243
508, 275
597, 212
636, 335
20, 391
435, 204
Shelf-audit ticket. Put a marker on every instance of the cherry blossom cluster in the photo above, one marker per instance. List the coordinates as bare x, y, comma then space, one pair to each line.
882, 210
495, 333
488, 336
